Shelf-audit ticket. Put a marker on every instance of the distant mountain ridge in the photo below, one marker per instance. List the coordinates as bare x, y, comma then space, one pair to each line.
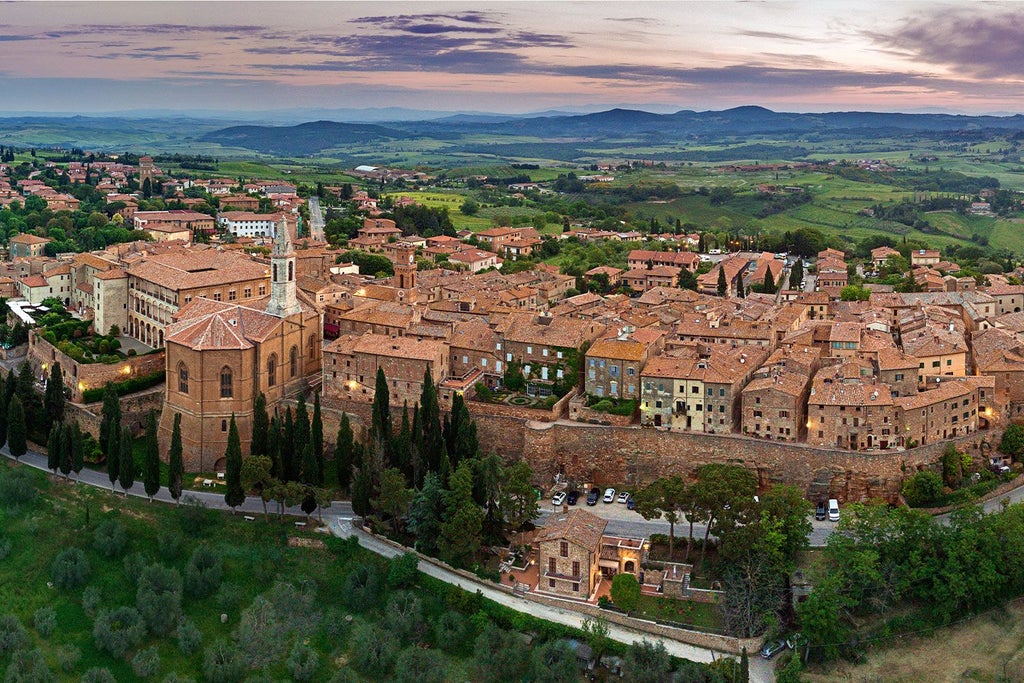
313, 137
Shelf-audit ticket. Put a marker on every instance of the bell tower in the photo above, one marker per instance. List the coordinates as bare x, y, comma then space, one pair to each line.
405, 271
283, 302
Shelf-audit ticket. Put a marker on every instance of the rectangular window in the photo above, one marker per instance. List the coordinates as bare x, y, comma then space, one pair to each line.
935, 363
757, 413
575, 568
576, 588
247, 292
263, 290
949, 361
529, 350
558, 354
216, 296
551, 583
899, 377
552, 566
544, 352
563, 549
232, 295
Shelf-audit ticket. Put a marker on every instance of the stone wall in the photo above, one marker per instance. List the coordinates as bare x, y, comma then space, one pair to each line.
81, 376
134, 410
631, 455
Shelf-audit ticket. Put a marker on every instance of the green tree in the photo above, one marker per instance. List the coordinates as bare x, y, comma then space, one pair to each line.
785, 520
663, 498
517, 499
362, 491
723, 285
553, 662
723, 496
469, 207
687, 280
300, 438
596, 631
649, 663
126, 461
344, 453
17, 430
260, 426
463, 519
158, 598
625, 592
53, 401
110, 421
744, 673
429, 431
1012, 443
54, 445
393, 499
78, 448
854, 293
175, 465
922, 488
151, 476
769, 282
425, 513
380, 419
4, 405
822, 619
316, 437
67, 449
796, 275
235, 494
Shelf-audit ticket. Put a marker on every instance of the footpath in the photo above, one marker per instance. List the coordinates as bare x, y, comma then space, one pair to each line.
338, 518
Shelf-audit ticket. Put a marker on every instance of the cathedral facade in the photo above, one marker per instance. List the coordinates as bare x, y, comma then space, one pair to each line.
221, 355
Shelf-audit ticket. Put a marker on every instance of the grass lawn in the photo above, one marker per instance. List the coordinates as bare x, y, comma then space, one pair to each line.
700, 614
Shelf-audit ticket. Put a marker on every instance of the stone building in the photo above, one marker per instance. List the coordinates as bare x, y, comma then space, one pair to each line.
614, 364
569, 554
351, 364
221, 354
848, 408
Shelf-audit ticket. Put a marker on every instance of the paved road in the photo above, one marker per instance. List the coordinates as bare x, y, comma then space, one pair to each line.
316, 218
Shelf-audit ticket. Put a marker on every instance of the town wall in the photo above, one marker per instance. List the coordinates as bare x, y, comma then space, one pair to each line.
631, 456
134, 411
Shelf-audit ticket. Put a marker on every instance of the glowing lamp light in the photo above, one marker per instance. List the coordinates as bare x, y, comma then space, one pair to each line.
126, 370
45, 367
81, 386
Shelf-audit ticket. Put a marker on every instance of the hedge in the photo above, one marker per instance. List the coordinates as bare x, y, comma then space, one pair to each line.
129, 386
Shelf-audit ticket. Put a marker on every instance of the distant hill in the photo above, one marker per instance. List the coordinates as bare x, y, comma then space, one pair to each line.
311, 138
303, 139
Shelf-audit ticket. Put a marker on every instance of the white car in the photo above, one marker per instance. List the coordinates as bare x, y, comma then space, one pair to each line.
833, 510
609, 495
558, 499
624, 497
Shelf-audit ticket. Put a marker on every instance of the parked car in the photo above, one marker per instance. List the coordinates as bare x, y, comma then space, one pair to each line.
833, 510
573, 497
559, 499
772, 648
630, 504
624, 497
819, 511
593, 497
609, 495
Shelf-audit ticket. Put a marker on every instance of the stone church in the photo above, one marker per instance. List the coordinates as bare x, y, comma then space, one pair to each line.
220, 355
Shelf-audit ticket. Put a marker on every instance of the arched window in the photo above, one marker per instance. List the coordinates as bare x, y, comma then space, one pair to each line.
293, 361
182, 378
291, 271
226, 384
311, 354
272, 370
275, 273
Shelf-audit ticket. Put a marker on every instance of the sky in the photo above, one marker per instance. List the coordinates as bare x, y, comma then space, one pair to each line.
512, 57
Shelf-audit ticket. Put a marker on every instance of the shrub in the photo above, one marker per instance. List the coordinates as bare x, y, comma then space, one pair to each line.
361, 588
450, 631
134, 563
146, 662
68, 657
221, 664
45, 621
402, 570
170, 544
194, 517
110, 538
98, 675
303, 662
403, 616
158, 598
174, 677
118, 630
12, 635
373, 650
29, 666
129, 386
92, 596
229, 597
204, 572
17, 488
189, 637
70, 569
5, 548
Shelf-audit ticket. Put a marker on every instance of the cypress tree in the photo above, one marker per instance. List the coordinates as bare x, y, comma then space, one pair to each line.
4, 400
53, 446
309, 466
67, 449
362, 491
416, 449
53, 401
288, 447
796, 275
126, 461
723, 286
301, 436
274, 448
380, 419
176, 465
344, 453
235, 494
316, 436
744, 673
113, 454
260, 426
152, 464
77, 448
769, 282
111, 419
430, 424
26, 383
17, 430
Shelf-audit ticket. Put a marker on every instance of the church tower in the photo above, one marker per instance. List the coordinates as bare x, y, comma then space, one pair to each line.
405, 271
282, 284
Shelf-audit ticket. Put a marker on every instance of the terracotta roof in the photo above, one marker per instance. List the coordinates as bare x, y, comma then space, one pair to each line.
112, 274
35, 281
26, 238
578, 527
186, 269
941, 392
208, 324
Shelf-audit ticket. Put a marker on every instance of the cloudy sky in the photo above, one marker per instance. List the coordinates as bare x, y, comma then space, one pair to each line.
513, 57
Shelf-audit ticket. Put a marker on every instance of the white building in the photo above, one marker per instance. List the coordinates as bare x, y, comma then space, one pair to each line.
248, 224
